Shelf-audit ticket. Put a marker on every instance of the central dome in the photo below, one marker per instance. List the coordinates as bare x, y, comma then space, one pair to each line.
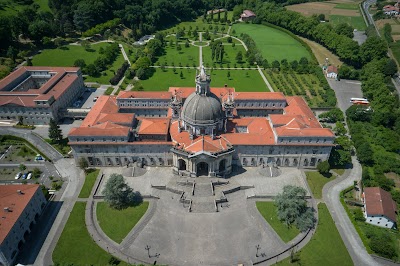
201, 109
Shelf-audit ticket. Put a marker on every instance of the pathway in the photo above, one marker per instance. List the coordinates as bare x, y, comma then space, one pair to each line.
124, 54
200, 50
258, 67
331, 196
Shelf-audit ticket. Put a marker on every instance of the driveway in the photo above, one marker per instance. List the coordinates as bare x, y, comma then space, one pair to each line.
331, 196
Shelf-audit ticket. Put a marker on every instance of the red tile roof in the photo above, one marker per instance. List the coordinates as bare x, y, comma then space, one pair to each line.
144, 95
16, 203
54, 87
379, 202
105, 129
158, 126
332, 69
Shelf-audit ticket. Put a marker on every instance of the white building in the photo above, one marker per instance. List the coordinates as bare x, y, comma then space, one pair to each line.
21, 206
332, 72
379, 207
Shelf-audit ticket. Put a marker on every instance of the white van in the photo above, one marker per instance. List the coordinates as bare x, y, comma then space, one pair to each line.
29, 176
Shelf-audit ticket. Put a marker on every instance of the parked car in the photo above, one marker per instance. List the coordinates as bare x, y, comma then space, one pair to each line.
18, 175
95, 99
29, 176
24, 176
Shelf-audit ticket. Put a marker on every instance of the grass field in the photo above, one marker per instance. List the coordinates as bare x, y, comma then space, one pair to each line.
356, 22
106, 75
316, 182
66, 55
339, 171
89, 182
350, 6
241, 80
273, 43
116, 224
228, 59
268, 211
75, 245
188, 56
326, 247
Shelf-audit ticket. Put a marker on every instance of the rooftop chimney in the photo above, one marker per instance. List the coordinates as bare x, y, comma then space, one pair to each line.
19, 192
6, 209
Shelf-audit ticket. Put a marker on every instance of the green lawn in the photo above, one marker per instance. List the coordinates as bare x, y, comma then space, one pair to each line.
241, 80
76, 246
61, 147
273, 43
268, 211
326, 247
229, 59
172, 57
66, 55
316, 182
109, 73
356, 22
118, 223
89, 182
163, 79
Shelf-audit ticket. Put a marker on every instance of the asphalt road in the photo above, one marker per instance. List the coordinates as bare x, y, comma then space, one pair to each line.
331, 196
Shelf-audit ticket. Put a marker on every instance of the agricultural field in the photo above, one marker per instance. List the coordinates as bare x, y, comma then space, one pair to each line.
341, 11
161, 80
229, 59
11, 7
274, 44
306, 85
395, 24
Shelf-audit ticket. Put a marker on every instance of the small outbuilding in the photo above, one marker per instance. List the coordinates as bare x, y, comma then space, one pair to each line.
379, 207
247, 15
332, 72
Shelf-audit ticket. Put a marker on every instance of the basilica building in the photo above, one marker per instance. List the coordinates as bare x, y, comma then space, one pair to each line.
202, 130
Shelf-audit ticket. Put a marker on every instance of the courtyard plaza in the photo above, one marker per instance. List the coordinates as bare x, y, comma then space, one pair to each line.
223, 226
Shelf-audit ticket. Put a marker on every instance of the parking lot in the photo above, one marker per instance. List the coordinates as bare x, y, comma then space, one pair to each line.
344, 90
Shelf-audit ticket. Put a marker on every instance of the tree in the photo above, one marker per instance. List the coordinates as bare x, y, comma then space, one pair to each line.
80, 63
22, 167
181, 75
365, 153
117, 193
390, 68
83, 164
340, 130
228, 75
276, 65
92, 70
36, 172
55, 133
292, 208
323, 167
344, 29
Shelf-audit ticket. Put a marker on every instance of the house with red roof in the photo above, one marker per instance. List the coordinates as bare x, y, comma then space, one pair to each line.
201, 130
391, 10
379, 207
38, 94
247, 15
332, 72
20, 206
